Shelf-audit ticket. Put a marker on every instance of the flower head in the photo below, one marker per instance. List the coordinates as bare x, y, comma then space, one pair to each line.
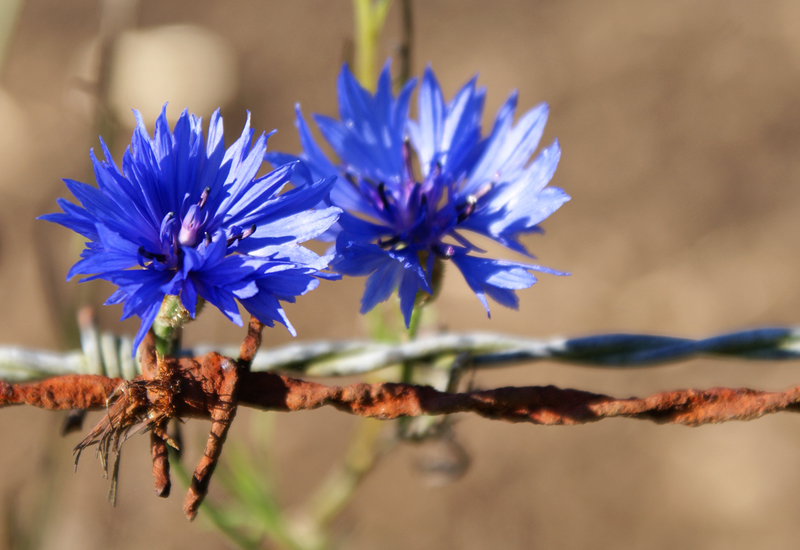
396, 223
188, 218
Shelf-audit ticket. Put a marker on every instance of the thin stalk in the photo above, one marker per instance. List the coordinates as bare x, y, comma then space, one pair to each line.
211, 512
405, 424
423, 299
406, 41
249, 485
9, 15
414, 322
369, 18
407, 372
338, 488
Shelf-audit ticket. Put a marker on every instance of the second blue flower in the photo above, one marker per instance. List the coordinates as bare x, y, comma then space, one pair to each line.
396, 224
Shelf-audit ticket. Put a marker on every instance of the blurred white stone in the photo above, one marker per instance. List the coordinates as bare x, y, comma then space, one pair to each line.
185, 65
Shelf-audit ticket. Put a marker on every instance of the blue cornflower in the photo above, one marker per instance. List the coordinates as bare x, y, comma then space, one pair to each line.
396, 224
191, 219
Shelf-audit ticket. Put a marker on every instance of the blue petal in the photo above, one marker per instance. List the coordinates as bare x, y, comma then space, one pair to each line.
509, 148
427, 136
497, 278
320, 165
274, 218
357, 259
296, 228
267, 309
409, 287
147, 316
517, 207
189, 297
75, 218
382, 283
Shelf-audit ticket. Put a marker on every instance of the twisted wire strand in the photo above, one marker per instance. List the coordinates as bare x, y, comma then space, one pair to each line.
110, 355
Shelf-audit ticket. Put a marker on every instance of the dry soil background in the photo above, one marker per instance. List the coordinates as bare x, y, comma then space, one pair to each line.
680, 128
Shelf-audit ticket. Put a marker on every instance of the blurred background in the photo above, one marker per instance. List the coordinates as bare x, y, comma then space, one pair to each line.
680, 129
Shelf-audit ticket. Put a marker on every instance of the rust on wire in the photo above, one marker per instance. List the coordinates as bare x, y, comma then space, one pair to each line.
212, 386
546, 405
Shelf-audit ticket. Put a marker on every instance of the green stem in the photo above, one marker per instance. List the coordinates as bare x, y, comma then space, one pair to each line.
369, 17
214, 515
406, 42
413, 327
423, 299
169, 324
9, 15
413, 323
338, 488
404, 424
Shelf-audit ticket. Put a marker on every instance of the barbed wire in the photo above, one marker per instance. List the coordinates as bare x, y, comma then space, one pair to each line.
213, 386
110, 355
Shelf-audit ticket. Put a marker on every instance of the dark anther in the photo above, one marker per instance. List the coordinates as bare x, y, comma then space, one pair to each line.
383, 196
150, 256
351, 178
467, 208
204, 197
389, 243
444, 251
242, 235
249, 231
207, 238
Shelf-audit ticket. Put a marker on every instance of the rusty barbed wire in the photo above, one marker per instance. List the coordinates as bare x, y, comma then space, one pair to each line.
110, 355
549, 405
212, 386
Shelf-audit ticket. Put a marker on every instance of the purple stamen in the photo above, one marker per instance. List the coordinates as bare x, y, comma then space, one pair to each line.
187, 236
192, 222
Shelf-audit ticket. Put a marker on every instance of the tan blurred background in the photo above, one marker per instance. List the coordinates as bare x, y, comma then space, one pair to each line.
680, 129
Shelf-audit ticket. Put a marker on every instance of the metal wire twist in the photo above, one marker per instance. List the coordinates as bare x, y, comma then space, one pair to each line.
110, 355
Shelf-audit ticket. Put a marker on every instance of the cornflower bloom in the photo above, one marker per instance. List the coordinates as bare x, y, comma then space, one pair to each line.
191, 219
397, 226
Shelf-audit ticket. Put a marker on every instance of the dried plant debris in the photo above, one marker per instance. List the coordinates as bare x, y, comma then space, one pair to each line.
134, 407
